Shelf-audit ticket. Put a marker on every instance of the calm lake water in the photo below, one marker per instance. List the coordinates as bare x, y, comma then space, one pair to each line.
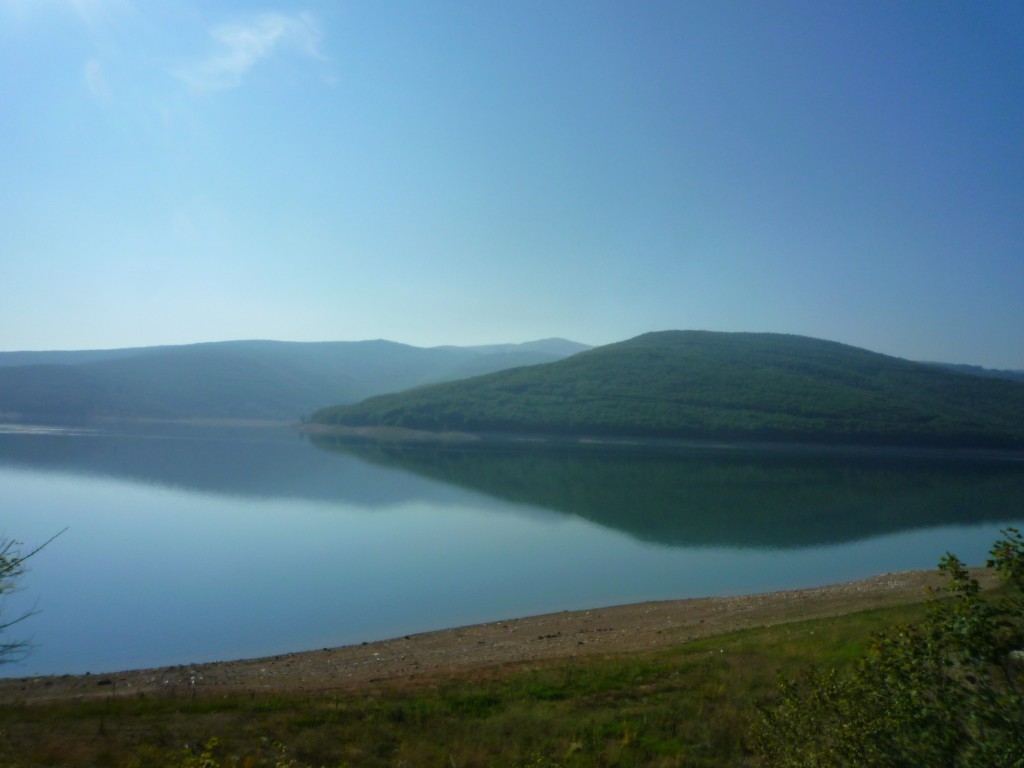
189, 545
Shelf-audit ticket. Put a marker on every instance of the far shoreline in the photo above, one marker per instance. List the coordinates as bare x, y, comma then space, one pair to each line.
404, 436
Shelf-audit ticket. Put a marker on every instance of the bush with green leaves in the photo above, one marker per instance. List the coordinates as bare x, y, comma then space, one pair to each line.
947, 691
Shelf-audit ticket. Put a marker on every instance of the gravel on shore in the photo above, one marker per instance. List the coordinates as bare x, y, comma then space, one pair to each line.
433, 656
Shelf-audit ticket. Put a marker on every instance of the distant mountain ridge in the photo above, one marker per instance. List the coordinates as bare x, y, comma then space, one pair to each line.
239, 379
707, 385
977, 370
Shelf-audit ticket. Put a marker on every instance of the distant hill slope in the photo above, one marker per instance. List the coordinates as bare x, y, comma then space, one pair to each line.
977, 370
697, 384
238, 379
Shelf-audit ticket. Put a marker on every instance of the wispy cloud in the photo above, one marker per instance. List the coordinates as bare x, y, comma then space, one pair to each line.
96, 81
99, 14
241, 45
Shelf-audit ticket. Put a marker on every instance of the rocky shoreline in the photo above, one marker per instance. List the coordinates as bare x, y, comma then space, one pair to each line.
431, 656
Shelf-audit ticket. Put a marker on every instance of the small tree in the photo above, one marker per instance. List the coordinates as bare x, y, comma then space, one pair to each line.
948, 691
12, 566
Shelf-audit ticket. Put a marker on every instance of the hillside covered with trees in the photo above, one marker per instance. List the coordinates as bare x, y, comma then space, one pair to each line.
707, 385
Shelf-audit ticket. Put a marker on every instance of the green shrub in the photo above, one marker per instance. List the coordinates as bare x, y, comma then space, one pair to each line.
946, 691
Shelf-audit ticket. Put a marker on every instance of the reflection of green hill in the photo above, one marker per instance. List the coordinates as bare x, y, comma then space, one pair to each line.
726, 497
250, 463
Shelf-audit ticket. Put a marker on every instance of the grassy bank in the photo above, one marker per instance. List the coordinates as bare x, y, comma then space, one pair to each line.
690, 705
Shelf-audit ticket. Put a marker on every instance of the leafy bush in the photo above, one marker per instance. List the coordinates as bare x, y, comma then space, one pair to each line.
944, 692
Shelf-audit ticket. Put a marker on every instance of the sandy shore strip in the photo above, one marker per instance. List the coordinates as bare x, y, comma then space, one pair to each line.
432, 656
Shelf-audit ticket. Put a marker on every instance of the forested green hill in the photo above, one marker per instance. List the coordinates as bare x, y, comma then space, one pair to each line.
699, 385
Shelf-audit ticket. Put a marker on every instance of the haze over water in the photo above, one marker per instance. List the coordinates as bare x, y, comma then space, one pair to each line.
189, 545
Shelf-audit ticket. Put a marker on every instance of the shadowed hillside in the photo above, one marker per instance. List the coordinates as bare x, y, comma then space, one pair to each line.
238, 379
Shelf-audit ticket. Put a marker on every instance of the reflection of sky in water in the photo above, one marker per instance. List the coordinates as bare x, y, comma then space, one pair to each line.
151, 574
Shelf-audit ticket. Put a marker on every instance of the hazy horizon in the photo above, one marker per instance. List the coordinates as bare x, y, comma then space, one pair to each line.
467, 174
431, 346
295, 341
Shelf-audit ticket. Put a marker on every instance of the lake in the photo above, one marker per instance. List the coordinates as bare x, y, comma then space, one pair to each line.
189, 544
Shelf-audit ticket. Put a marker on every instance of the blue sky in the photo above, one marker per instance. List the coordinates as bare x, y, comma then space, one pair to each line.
467, 172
